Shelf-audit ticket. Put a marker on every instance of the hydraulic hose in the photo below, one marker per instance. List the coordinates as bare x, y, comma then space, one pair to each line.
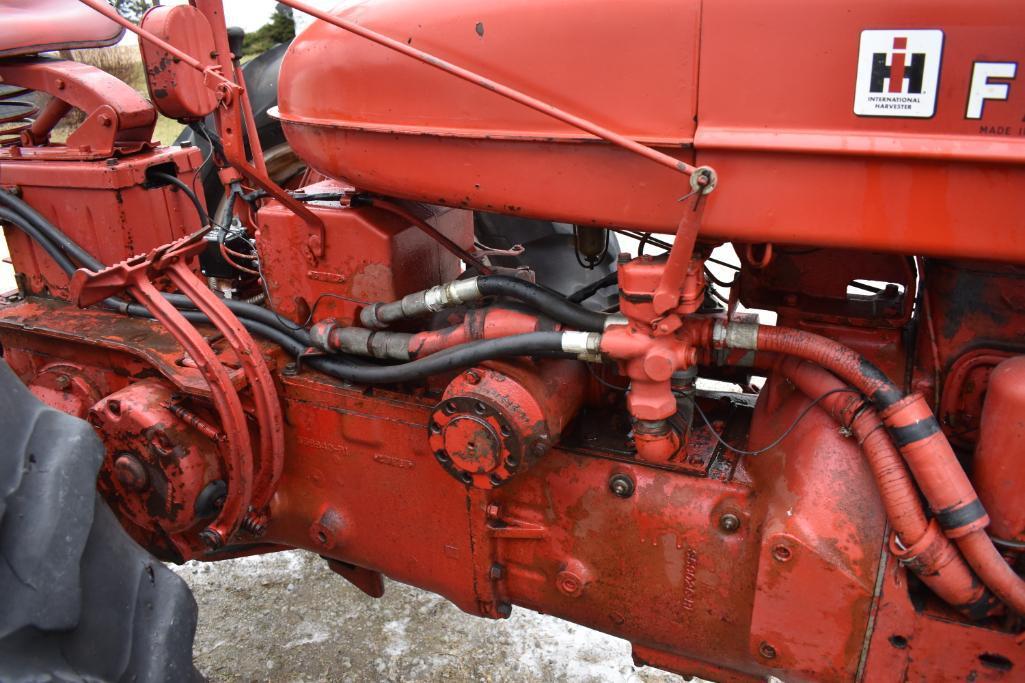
555, 306
45, 227
917, 436
550, 344
922, 547
59, 246
478, 324
19, 221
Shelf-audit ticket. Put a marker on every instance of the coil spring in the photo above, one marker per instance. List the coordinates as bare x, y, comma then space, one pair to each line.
15, 115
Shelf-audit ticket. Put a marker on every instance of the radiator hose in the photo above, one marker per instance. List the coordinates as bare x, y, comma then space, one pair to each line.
917, 436
923, 548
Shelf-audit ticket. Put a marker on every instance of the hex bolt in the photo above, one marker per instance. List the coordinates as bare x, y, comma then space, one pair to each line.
621, 485
497, 572
211, 538
729, 522
290, 370
492, 511
767, 651
472, 377
63, 382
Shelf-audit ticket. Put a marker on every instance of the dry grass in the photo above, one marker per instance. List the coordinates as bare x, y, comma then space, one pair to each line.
124, 63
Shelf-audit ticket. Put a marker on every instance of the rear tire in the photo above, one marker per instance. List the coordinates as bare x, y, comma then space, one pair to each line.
79, 599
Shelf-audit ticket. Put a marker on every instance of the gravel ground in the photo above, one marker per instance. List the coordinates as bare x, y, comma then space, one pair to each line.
287, 617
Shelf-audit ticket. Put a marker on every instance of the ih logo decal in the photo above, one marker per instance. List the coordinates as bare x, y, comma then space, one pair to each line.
898, 73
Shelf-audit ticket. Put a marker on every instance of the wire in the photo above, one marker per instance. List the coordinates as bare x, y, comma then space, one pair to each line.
722, 283
1017, 546
604, 383
717, 262
227, 259
642, 243
781, 437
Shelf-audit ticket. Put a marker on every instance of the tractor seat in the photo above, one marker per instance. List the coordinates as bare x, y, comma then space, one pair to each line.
32, 26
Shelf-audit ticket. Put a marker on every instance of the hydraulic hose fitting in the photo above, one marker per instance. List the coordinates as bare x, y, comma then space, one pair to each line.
656, 440
328, 336
735, 335
585, 345
378, 316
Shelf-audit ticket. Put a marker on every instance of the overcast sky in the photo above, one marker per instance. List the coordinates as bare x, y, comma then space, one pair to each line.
252, 14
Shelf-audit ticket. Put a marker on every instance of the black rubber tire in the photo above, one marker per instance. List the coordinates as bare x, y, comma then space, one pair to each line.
79, 599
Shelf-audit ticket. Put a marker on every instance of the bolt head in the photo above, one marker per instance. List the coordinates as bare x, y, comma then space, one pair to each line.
130, 472
621, 485
497, 572
729, 522
767, 651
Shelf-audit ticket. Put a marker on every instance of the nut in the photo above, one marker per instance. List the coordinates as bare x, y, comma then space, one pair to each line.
621, 485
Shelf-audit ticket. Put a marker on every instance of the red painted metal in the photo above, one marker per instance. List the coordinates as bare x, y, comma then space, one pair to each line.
117, 117
160, 464
477, 324
33, 26
393, 259
793, 169
175, 88
108, 206
727, 535
494, 422
251, 475
997, 472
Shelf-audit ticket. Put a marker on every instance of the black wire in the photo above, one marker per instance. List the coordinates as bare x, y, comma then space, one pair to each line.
204, 219
781, 437
604, 383
722, 263
721, 283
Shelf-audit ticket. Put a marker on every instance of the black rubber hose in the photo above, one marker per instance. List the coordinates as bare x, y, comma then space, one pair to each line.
553, 305
587, 291
466, 355
18, 220
51, 239
65, 243
204, 218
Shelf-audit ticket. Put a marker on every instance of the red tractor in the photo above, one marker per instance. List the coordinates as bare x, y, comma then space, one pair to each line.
421, 354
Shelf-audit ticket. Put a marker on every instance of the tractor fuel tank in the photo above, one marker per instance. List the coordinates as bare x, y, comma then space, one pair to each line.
879, 125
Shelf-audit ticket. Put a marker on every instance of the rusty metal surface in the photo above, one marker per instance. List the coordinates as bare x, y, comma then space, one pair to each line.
732, 536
